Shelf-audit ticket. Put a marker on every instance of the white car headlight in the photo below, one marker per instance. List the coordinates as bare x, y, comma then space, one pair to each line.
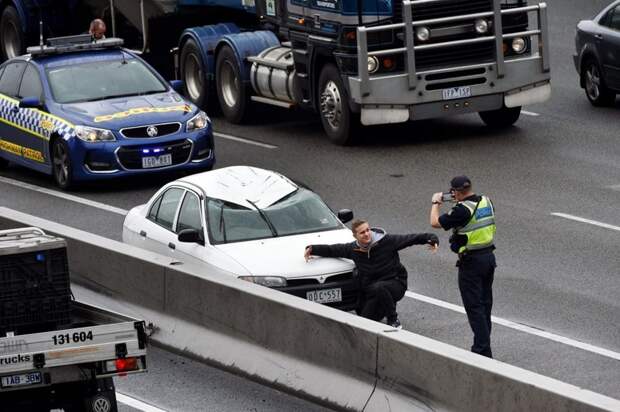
92, 134
269, 281
198, 122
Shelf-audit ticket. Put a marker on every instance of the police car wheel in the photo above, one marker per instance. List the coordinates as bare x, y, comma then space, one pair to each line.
596, 91
3, 163
232, 93
61, 164
338, 121
193, 74
504, 117
11, 35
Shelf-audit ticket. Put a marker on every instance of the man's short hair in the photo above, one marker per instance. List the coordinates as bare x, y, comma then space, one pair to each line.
357, 223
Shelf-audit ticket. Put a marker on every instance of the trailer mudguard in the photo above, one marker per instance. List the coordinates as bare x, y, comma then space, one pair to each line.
22, 8
207, 38
248, 44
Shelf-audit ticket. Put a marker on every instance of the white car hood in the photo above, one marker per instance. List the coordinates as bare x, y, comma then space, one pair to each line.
284, 256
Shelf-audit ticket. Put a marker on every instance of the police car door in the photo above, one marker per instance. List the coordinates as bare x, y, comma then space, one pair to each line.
10, 134
35, 135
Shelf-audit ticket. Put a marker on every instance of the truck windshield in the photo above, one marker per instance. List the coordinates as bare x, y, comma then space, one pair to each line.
102, 80
303, 211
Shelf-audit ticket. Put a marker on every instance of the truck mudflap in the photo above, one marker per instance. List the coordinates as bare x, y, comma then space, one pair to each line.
29, 360
412, 93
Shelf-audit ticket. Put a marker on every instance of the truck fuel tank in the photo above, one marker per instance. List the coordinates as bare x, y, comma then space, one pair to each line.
273, 74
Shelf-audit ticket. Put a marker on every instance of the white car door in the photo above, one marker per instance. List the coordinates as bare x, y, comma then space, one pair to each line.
157, 229
190, 216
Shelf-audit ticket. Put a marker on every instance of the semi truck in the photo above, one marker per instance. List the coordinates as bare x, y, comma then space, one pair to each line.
55, 352
354, 62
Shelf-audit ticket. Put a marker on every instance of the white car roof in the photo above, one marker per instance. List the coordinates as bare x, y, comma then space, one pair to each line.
237, 184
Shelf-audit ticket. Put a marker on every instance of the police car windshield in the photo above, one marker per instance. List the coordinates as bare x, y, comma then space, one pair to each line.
102, 80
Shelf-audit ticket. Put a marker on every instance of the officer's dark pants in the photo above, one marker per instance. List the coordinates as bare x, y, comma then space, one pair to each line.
379, 299
475, 283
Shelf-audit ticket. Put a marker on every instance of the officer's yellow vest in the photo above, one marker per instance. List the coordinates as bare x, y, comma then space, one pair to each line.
480, 230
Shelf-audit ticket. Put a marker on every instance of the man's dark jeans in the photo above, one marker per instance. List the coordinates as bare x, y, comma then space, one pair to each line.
379, 299
476, 274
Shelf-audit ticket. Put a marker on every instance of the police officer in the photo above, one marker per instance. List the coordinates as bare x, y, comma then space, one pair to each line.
472, 220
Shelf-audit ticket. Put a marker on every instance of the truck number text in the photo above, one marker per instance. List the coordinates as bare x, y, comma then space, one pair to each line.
72, 338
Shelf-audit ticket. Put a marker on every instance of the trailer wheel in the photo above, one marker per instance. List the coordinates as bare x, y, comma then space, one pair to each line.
194, 74
596, 91
11, 35
232, 93
61, 164
504, 117
339, 123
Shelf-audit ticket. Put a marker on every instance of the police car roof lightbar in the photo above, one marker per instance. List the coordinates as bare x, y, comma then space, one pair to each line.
80, 42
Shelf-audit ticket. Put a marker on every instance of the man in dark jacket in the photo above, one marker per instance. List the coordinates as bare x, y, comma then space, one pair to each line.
375, 254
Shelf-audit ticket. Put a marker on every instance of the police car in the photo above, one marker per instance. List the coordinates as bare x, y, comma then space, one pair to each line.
82, 110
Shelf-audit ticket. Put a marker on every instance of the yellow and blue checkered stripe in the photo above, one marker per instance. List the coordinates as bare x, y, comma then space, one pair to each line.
33, 121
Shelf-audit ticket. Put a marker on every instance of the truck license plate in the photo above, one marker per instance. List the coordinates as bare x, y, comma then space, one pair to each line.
156, 161
456, 92
22, 379
325, 295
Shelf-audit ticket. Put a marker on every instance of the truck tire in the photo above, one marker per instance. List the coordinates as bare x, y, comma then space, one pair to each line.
339, 123
12, 42
232, 93
61, 164
500, 118
596, 91
194, 75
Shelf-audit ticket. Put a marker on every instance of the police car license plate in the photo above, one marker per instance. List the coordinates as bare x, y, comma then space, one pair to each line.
456, 92
325, 295
156, 161
22, 379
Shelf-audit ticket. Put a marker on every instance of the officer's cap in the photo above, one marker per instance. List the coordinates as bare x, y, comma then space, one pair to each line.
460, 183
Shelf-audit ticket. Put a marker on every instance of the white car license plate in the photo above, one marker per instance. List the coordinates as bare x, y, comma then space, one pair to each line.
23, 379
325, 295
456, 92
156, 161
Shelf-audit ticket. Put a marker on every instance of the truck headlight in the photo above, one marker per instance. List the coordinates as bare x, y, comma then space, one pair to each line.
422, 33
92, 134
269, 281
481, 26
373, 64
198, 122
518, 45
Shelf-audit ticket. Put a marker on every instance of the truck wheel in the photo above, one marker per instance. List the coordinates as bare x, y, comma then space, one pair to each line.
11, 35
61, 164
338, 121
231, 92
504, 117
193, 74
597, 93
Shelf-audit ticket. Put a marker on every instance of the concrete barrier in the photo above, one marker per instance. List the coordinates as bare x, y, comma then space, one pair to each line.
320, 353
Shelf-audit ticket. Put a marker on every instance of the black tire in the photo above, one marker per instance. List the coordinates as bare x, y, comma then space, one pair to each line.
339, 123
3, 163
61, 164
596, 91
12, 41
196, 87
501, 118
232, 93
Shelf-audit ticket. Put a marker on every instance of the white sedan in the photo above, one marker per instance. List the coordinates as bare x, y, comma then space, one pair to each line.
252, 223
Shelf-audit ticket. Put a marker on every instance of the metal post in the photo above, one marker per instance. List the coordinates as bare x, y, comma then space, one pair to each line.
544, 36
362, 60
144, 30
499, 41
113, 15
409, 44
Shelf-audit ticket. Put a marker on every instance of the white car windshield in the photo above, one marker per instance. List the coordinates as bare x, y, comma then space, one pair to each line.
303, 211
101, 80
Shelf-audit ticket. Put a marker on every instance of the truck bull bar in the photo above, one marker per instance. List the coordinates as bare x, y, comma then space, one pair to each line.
410, 47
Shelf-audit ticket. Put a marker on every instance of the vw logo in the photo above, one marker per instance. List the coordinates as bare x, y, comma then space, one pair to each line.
151, 131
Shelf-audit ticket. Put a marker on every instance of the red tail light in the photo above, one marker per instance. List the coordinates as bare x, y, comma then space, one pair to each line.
126, 364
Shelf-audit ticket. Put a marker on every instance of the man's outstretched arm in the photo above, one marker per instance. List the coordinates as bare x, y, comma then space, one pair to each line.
342, 250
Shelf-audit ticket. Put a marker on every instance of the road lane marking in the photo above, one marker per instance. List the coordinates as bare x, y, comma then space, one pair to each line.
246, 141
525, 112
588, 221
135, 403
65, 196
520, 327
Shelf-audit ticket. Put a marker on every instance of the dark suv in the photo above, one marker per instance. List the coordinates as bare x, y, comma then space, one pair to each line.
597, 56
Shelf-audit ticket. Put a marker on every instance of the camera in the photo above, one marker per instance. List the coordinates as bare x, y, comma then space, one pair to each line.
447, 197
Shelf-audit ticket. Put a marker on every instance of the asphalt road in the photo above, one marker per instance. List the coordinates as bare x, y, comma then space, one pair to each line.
555, 275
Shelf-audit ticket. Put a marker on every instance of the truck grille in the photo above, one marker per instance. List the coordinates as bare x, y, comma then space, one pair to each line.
130, 157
